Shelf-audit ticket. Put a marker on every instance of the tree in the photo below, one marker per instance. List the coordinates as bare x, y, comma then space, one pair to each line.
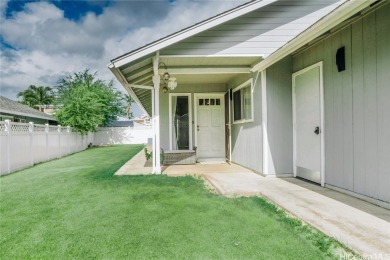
129, 102
37, 97
86, 102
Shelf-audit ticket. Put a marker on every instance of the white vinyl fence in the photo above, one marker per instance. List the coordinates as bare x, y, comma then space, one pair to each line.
23, 144
123, 135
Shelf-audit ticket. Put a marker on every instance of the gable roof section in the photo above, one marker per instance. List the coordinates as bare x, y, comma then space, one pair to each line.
189, 31
309, 11
257, 33
255, 29
12, 107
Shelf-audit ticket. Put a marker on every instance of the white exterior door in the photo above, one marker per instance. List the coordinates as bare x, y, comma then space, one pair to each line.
307, 102
210, 127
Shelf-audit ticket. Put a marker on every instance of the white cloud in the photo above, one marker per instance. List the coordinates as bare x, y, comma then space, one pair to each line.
3, 6
49, 46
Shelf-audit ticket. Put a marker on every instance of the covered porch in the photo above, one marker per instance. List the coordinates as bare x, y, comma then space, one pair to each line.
205, 86
194, 116
235, 88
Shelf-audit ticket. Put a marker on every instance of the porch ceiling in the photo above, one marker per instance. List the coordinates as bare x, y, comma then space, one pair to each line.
187, 70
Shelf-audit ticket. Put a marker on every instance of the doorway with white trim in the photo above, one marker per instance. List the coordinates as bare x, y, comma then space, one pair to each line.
210, 126
309, 124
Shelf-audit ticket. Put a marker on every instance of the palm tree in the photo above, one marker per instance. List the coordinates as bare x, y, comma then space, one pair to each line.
129, 101
37, 97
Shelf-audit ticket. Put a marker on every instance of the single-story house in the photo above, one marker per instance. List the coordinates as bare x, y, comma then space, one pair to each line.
121, 122
143, 120
17, 112
126, 122
286, 88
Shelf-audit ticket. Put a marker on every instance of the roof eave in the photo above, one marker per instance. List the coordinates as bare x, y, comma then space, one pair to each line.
121, 78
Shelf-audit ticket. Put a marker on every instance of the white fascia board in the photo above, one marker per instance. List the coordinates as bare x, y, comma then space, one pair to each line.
217, 55
181, 35
329, 21
110, 65
117, 73
211, 70
25, 114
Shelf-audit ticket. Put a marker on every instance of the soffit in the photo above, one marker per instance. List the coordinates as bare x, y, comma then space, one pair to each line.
145, 99
140, 72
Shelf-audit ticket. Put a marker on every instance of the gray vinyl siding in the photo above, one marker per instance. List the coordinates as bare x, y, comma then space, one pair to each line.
164, 107
279, 115
258, 33
247, 143
357, 104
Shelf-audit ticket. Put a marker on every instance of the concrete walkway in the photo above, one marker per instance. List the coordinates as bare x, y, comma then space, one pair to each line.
362, 226
136, 166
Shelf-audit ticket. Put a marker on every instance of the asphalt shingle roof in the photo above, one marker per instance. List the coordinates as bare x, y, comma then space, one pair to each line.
9, 106
120, 124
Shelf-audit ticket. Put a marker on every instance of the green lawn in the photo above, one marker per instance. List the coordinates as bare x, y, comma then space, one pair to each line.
75, 208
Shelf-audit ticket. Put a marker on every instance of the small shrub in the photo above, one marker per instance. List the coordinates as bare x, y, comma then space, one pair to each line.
148, 155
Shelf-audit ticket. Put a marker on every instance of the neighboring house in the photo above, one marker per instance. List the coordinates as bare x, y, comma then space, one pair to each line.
121, 122
17, 112
144, 120
47, 109
134, 122
285, 88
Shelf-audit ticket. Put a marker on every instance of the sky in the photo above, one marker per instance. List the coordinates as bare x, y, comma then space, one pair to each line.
42, 41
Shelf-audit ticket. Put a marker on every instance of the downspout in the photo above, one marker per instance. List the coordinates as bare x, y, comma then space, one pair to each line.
264, 115
268, 164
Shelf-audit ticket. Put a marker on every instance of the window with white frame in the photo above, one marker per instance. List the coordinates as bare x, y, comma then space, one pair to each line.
243, 103
180, 121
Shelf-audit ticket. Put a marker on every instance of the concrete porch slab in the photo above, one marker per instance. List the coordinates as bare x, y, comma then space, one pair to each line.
202, 169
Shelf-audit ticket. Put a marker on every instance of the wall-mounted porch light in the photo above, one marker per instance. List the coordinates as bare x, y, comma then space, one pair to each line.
169, 82
172, 84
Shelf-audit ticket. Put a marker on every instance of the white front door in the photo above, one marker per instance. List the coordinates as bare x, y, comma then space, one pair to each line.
210, 127
307, 106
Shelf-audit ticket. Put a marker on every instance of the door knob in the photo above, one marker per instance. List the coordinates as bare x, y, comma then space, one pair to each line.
317, 130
